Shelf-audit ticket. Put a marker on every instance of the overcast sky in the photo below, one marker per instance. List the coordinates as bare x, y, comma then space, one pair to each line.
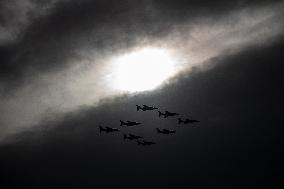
54, 59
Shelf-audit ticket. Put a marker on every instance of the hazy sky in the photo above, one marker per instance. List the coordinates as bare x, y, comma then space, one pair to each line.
56, 54
56, 57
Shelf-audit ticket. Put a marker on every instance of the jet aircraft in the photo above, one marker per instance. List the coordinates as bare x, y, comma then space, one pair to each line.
108, 129
131, 137
144, 143
135, 136
129, 123
167, 114
145, 108
186, 121
165, 131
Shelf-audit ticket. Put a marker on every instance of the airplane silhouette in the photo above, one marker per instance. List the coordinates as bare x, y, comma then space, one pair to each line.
165, 131
149, 107
145, 108
129, 123
125, 136
186, 121
135, 136
131, 137
108, 129
144, 143
167, 114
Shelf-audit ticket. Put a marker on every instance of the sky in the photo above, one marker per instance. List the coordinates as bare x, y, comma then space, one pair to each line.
58, 83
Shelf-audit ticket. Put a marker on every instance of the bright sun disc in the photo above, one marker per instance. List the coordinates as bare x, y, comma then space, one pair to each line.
142, 70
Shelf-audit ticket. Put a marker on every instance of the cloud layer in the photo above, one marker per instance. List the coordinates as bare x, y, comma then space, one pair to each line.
55, 55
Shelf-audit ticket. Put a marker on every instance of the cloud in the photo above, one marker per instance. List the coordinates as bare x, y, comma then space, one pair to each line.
16, 16
60, 62
236, 102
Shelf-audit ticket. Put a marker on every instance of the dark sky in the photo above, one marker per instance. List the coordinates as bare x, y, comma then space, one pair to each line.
50, 139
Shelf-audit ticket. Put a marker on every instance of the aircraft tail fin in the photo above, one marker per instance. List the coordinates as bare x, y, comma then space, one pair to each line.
158, 130
138, 107
160, 113
180, 121
100, 128
121, 122
139, 142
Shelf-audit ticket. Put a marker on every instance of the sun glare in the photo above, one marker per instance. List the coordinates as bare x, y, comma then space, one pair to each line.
142, 70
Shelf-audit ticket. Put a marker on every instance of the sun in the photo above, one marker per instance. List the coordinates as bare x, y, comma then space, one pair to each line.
142, 70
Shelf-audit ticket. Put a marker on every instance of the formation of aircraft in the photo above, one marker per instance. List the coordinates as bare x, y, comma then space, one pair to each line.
108, 129
165, 131
139, 139
186, 121
145, 108
167, 114
129, 123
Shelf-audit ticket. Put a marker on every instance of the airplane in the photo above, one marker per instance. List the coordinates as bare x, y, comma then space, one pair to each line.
149, 107
135, 136
125, 136
186, 121
165, 131
145, 108
129, 123
131, 137
167, 114
144, 143
108, 129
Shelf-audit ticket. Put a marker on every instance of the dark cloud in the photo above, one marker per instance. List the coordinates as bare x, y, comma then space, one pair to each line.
49, 42
52, 40
16, 16
64, 47
237, 143
216, 7
238, 100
